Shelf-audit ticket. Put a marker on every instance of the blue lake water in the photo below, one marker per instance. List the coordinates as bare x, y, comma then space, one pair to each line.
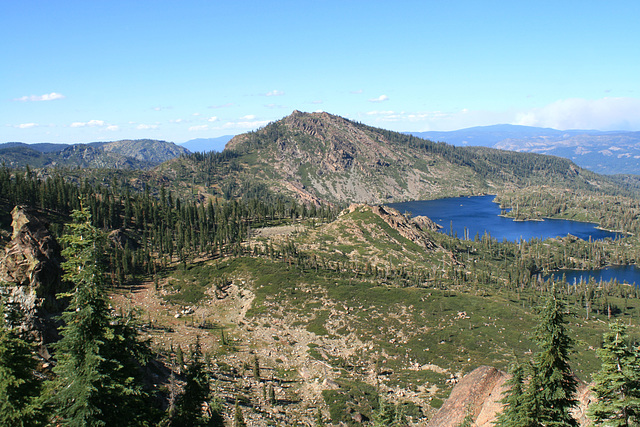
479, 214
623, 273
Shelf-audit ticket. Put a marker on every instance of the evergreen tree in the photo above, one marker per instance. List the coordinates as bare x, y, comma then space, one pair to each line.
238, 418
512, 411
197, 393
550, 394
388, 415
617, 384
19, 388
97, 381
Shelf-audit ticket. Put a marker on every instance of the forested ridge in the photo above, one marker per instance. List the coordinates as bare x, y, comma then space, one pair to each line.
223, 299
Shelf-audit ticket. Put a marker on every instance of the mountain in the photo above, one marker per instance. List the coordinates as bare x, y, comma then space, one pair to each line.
328, 157
204, 145
130, 154
607, 152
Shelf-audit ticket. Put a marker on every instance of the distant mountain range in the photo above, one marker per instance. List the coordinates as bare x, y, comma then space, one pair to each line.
607, 152
130, 154
204, 145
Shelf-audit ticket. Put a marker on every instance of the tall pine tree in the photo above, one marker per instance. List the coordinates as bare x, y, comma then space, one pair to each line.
197, 394
553, 386
617, 384
97, 374
512, 414
19, 388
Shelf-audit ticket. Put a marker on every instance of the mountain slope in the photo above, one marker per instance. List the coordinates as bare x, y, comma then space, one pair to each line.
130, 154
338, 160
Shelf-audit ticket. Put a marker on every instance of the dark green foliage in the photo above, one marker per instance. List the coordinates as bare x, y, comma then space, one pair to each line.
98, 381
512, 413
617, 384
388, 415
197, 395
238, 418
553, 382
19, 388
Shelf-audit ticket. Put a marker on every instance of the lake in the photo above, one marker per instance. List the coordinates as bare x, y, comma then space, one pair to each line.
623, 273
479, 214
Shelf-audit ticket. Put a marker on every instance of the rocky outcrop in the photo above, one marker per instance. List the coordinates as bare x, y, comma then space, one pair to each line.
479, 393
410, 228
30, 274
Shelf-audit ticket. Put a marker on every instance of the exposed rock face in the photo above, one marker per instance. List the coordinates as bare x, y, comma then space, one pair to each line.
30, 273
410, 228
479, 394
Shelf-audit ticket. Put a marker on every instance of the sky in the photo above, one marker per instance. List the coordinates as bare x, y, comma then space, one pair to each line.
83, 71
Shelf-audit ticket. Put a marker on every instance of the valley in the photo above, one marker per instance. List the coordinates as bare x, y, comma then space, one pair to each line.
312, 299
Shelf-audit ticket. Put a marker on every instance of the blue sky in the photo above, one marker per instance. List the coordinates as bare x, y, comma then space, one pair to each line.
82, 71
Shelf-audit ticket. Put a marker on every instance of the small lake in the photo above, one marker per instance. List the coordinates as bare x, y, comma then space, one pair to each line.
623, 273
479, 214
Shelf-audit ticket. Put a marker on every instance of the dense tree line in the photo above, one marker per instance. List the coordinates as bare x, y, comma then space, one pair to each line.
154, 231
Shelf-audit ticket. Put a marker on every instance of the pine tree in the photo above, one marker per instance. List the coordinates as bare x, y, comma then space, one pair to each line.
238, 418
550, 394
97, 381
617, 384
197, 393
512, 411
19, 388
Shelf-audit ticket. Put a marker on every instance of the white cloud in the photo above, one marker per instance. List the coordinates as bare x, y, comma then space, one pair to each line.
143, 126
90, 123
213, 119
26, 125
198, 127
175, 121
356, 92
248, 117
245, 124
46, 97
275, 93
227, 105
381, 98
579, 113
379, 113
113, 127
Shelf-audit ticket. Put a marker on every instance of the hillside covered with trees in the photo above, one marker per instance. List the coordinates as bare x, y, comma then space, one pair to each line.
239, 287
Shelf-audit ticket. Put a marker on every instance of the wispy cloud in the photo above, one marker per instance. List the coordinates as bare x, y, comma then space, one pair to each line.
90, 123
213, 119
245, 124
356, 92
579, 113
381, 98
227, 105
379, 113
143, 126
198, 128
46, 97
275, 92
26, 125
